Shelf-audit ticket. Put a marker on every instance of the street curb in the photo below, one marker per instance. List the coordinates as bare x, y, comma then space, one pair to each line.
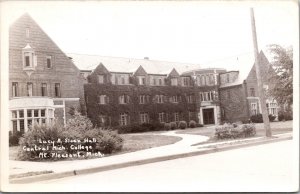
44, 177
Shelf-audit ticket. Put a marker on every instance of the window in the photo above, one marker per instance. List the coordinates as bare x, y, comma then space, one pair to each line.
252, 92
154, 81
228, 94
124, 119
104, 120
190, 99
207, 79
174, 81
27, 32
254, 108
144, 118
160, 82
143, 99
211, 79
100, 79
15, 89
227, 78
202, 80
174, 99
57, 90
29, 58
124, 99
186, 81
159, 99
201, 96
142, 80
44, 89
49, 62
176, 116
207, 96
29, 89
103, 99
272, 108
22, 120
161, 117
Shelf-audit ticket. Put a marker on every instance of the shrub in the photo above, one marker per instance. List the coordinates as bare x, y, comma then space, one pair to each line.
14, 138
182, 124
199, 125
288, 116
256, 118
271, 117
248, 130
228, 131
167, 126
106, 142
192, 124
79, 122
246, 121
280, 117
173, 125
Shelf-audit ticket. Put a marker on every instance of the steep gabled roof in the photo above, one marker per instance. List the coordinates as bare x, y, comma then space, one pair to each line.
140, 71
119, 64
243, 64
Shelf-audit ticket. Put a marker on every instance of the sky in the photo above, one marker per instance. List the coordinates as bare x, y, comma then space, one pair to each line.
196, 32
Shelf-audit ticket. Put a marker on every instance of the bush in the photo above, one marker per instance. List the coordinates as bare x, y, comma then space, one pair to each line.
106, 142
234, 125
288, 116
199, 125
271, 117
182, 124
280, 117
248, 130
14, 138
246, 121
228, 131
192, 124
256, 118
173, 125
167, 126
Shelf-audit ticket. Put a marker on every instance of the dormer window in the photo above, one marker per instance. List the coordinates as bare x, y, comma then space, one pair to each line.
142, 80
174, 81
100, 79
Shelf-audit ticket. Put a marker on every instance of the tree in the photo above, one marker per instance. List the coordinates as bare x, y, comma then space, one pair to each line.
282, 76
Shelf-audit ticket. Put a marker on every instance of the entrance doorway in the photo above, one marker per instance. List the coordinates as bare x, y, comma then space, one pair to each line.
208, 116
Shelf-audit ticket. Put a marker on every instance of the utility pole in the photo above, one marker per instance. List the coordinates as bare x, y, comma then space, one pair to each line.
259, 80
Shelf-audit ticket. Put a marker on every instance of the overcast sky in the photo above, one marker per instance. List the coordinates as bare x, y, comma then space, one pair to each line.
182, 31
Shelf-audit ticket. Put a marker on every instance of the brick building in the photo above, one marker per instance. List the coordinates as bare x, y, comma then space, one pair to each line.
206, 95
43, 82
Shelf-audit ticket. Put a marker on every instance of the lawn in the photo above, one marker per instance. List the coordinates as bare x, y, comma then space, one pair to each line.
132, 142
141, 141
276, 127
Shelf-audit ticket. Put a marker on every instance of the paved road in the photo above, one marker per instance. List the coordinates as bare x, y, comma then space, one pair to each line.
266, 167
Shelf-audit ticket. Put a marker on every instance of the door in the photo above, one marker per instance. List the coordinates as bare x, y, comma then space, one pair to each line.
208, 116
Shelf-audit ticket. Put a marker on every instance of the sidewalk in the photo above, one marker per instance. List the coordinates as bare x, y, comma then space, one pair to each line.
182, 148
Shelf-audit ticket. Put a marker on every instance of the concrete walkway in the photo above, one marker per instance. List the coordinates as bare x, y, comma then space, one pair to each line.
182, 146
